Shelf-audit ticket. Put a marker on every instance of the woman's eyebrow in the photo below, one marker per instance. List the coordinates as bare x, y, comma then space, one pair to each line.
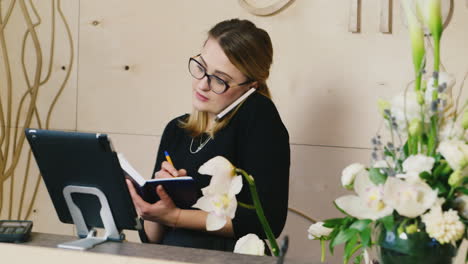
216, 71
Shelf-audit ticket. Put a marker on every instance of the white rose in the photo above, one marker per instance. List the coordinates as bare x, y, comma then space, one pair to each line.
349, 173
250, 244
317, 230
415, 164
455, 152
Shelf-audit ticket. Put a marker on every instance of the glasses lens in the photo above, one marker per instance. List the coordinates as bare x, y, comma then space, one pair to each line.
196, 69
217, 85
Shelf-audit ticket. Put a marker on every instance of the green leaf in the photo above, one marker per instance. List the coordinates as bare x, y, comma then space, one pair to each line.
425, 175
333, 222
349, 247
376, 176
343, 236
332, 236
462, 190
366, 237
388, 222
442, 170
361, 224
442, 189
358, 259
405, 149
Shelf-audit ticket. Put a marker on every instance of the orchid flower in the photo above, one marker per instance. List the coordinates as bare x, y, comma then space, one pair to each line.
368, 203
219, 205
409, 199
250, 244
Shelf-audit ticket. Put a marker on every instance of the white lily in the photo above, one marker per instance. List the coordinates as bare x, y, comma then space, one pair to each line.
368, 203
409, 199
250, 244
455, 152
219, 205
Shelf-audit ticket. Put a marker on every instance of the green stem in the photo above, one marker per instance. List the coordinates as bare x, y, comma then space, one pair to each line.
435, 95
322, 244
248, 206
260, 214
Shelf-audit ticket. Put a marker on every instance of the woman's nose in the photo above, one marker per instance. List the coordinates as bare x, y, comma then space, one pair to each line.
204, 84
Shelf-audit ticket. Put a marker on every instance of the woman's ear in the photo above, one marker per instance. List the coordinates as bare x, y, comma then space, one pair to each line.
253, 85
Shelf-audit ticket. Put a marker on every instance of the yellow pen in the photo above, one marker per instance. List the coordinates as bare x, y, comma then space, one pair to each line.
168, 158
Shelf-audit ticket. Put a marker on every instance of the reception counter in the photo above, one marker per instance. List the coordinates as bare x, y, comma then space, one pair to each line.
42, 248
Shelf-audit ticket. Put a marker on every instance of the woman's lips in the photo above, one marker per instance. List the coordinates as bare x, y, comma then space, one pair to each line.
201, 97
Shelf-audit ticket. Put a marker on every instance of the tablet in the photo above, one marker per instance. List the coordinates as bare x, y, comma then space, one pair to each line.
82, 159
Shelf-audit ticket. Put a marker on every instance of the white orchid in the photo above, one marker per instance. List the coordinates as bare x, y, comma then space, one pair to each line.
222, 172
349, 173
409, 199
368, 203
455, 152
219, 205
219, 197
250, 244
317, 230
414, 165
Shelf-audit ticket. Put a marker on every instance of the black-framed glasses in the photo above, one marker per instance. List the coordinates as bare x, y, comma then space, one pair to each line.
216, 84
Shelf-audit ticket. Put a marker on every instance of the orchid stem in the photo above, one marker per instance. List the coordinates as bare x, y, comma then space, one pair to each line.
260, 213
322, 245
248, 206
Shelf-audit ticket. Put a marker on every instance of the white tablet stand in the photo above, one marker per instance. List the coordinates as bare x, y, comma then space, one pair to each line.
82, 230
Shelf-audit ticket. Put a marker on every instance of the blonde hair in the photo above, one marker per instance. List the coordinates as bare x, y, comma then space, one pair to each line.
250, 50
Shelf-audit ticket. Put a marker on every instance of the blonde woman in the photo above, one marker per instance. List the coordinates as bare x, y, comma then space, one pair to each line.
235, 58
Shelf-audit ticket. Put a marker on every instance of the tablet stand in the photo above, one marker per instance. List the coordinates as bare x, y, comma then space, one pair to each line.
82, 230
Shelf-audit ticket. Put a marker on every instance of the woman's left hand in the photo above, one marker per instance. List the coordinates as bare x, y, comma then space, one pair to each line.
163, 211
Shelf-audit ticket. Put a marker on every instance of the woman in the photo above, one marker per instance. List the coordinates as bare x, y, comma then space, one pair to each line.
235, 58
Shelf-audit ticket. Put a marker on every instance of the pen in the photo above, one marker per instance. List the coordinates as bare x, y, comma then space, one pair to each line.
168, 158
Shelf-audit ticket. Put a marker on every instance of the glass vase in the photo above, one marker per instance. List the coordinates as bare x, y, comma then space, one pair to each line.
395, 247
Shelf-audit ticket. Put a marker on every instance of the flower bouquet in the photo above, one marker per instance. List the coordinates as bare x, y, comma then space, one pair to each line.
410, 202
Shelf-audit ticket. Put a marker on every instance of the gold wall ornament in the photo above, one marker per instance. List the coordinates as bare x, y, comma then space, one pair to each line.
12, 138
253, 6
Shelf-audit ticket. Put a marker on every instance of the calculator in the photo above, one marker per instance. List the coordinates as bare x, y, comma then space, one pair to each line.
16, 231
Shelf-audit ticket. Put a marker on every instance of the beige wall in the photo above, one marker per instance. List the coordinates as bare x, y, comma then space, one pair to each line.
325, 82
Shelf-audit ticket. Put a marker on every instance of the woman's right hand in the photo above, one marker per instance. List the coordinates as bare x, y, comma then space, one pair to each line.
168, 171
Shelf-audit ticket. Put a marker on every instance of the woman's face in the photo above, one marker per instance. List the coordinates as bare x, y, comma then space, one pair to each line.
216, 63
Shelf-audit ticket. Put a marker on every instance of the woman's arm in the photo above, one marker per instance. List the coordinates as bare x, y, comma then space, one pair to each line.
165, 213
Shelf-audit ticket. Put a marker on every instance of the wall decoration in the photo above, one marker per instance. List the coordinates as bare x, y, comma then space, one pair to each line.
32, 64
386, 16
354, 24
254, 7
